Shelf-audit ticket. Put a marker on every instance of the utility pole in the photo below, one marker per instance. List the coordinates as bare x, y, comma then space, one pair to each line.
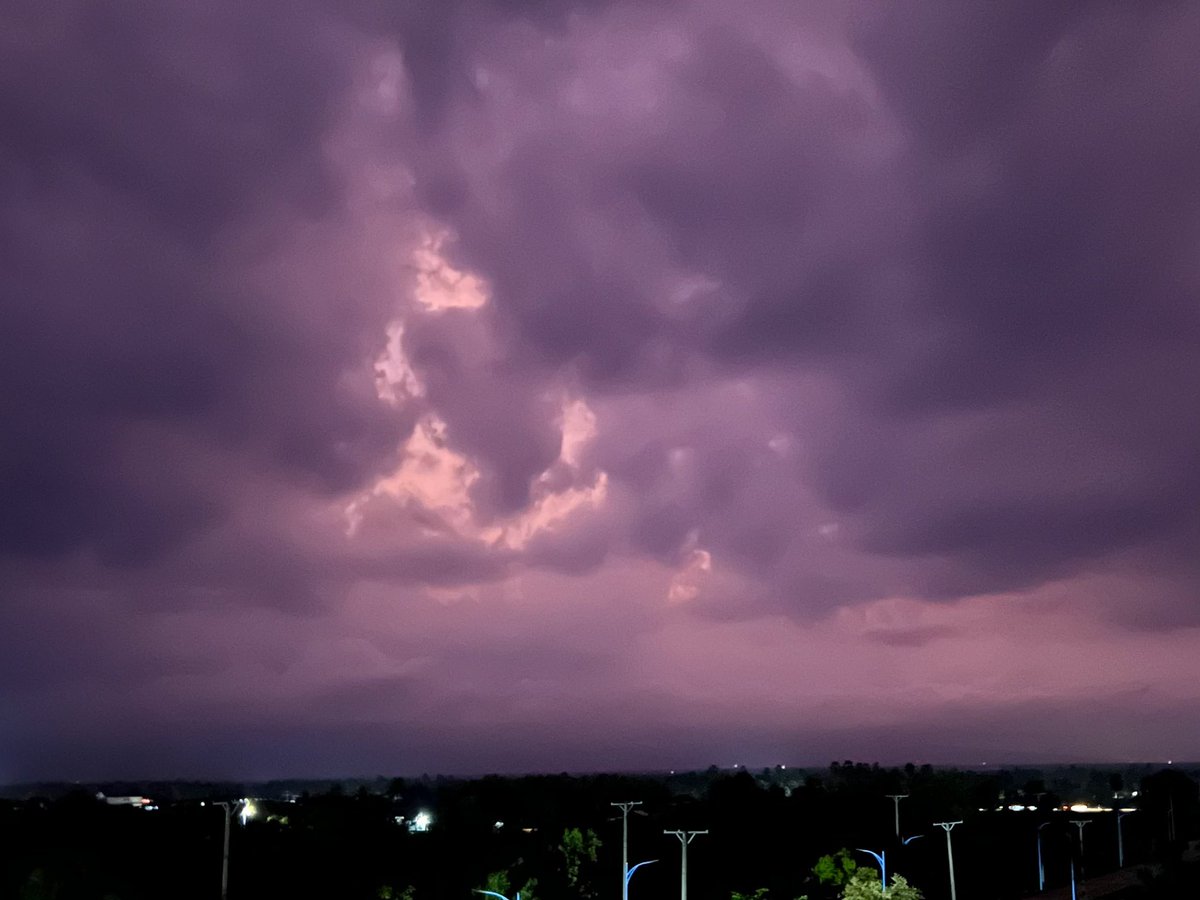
1079, 823
685, 838
625, 807
225, 852
896, 798
948, 827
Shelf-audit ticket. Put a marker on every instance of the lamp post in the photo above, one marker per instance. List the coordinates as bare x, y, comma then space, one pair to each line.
896, 798
1041, 867
685, 838
882, 857
1120, 841
625, 807
948, 827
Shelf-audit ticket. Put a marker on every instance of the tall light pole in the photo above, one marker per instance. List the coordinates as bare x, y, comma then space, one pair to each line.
225, 851
685, 838
1041, 867
882, 857
948, 827
896, 798
1120, 841
625, 807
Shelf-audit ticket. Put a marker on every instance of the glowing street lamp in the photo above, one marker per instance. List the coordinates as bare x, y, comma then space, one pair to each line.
882, 857
517, 896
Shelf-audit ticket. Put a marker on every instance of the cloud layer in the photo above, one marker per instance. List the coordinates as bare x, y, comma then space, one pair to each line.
381, 377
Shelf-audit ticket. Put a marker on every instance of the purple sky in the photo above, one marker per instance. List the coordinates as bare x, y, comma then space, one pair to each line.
490, 385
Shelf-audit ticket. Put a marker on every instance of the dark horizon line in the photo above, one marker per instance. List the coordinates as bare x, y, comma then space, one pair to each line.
629, 773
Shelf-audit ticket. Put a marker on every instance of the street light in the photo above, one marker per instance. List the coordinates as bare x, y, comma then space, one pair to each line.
1120, 841
882, 857
685, 838
1041, 867
517, 896
948, 827
625, 807
633, 869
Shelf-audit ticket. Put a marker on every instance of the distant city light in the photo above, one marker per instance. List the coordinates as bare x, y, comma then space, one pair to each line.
420, 822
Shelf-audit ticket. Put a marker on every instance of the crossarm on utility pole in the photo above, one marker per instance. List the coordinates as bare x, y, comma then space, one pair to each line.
685, 838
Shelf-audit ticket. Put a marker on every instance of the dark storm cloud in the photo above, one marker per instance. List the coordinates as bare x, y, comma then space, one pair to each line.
990, 250
1056, 232
139, 358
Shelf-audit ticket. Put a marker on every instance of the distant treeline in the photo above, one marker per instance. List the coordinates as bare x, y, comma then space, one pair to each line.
554, 837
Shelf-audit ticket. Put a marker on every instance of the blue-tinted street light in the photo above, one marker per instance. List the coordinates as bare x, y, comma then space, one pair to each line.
633, 869
1120, 841
882, 857
1041, 867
